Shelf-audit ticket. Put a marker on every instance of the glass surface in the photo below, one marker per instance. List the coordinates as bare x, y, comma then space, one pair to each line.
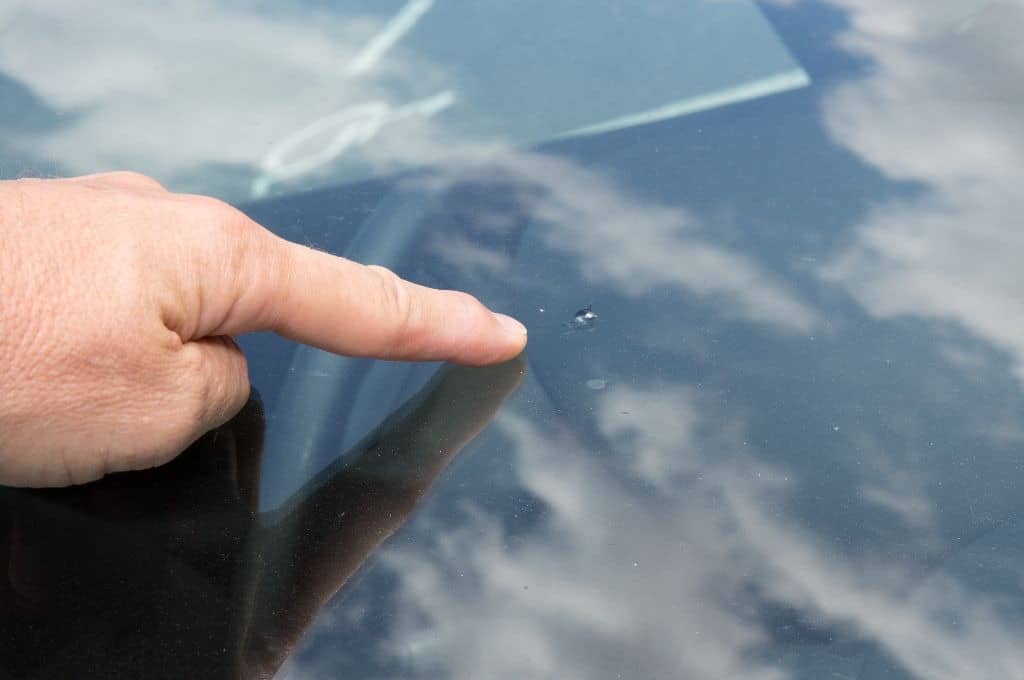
787, 445
247, 99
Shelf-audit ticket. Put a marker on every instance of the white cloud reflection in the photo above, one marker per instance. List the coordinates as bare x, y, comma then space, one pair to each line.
598, 591
201, 91
167, 88
631, 244
941, 108
613, 581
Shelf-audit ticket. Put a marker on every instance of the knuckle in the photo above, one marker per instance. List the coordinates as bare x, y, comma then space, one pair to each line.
400, 307
218, 214
231, 229
394, 298
231, 236
465, 301
465, 309
131, 177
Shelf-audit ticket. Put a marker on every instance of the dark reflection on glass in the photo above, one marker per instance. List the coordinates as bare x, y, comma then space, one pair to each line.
171, 572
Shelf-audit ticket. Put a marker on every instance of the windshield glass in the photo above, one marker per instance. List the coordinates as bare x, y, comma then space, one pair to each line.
769, 419
246, 100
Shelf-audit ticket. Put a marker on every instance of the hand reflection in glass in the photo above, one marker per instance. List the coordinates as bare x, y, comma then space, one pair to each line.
172, 572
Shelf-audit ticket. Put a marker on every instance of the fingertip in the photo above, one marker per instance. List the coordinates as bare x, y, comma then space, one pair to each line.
511, 326
516, 336
496, 344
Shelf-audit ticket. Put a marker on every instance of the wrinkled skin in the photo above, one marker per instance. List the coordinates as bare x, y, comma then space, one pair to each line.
119, 301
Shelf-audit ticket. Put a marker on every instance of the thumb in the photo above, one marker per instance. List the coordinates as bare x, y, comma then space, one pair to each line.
218, 378
212, 385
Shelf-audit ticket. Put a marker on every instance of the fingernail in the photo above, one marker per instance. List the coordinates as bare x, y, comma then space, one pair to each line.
510, 325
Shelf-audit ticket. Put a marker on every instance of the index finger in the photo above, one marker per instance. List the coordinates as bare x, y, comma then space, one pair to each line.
365, 311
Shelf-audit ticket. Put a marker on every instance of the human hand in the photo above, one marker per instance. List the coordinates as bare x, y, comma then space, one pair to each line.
119, 300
